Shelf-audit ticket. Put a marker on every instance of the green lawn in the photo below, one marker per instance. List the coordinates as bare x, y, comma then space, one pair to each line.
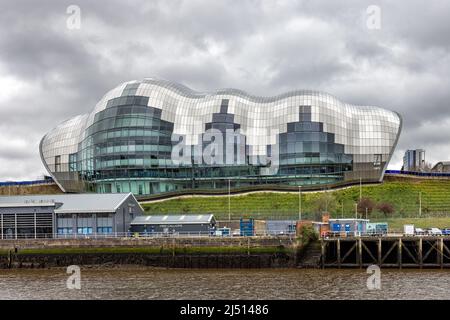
403, 195
396, 224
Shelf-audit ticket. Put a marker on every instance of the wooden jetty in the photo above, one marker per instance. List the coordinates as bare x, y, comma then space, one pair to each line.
386, 251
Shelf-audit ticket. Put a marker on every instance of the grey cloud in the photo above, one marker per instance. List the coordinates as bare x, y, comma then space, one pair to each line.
262, 47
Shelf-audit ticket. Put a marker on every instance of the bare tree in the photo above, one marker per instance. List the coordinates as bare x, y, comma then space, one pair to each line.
427, 166
325, 202
365, 205
386, 208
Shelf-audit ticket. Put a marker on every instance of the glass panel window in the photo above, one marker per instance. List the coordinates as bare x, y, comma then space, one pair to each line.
72, 162
104, 230
57, 163
65, 230
84, 230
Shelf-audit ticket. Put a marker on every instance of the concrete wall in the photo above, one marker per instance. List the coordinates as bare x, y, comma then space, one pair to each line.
149, 242
210, 261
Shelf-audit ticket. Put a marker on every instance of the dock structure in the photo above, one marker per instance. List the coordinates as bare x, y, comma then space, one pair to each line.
386, 251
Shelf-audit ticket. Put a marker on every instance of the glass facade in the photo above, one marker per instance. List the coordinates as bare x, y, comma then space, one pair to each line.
155, 136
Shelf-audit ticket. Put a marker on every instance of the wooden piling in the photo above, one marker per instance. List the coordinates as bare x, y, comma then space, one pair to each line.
382, 251
338, 247
359, 255
379, 252
322, 253
420, 253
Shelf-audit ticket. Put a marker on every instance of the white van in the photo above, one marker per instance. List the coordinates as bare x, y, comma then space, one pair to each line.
408, 230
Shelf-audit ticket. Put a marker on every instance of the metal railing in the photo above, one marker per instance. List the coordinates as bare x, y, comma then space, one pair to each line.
419, 174
359, 234
135, 235
25, 183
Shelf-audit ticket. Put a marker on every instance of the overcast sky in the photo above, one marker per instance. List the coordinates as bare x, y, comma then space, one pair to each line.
49, 73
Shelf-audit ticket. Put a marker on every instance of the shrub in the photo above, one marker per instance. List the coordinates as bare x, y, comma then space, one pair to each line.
386, 208
306, 233
365, 205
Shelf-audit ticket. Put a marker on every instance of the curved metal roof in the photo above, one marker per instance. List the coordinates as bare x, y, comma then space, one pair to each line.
173, 219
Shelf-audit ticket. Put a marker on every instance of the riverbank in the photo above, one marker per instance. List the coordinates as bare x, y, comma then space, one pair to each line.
249, 252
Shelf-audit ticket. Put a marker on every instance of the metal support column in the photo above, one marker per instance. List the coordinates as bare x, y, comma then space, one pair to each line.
399, 257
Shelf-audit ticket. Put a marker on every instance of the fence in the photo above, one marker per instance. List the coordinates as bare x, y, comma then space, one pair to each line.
419, 174
131, 235
26, 183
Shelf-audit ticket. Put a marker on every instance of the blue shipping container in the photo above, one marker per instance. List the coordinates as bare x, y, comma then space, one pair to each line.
247, 227
336, 227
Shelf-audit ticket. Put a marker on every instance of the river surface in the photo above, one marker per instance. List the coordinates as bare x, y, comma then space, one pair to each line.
145, 283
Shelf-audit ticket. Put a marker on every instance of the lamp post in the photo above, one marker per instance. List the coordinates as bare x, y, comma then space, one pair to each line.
299, 202
229, 200
420, 203
360, 188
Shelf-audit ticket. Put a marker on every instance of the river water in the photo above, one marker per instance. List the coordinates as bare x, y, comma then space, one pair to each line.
146, 283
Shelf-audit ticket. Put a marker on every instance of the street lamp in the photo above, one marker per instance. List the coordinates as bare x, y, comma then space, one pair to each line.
360, 188
420, 203
299, 202
229, 200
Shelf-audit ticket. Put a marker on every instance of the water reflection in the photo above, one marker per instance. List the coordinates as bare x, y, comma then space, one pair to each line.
146, 283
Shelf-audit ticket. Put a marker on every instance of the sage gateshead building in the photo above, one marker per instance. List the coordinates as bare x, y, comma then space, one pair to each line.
155, 136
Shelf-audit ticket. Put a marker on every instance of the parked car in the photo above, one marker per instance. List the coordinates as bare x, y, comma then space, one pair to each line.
236, 233
420, 232
435, 232
446, 231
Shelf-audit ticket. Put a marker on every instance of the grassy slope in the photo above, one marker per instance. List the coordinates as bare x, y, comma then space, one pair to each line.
396, 224
402, 194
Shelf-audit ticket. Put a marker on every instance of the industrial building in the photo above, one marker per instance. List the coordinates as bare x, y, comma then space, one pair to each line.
441, 167
348, 226
279, 227
174, 224
155, 136
49, 216
414, 160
